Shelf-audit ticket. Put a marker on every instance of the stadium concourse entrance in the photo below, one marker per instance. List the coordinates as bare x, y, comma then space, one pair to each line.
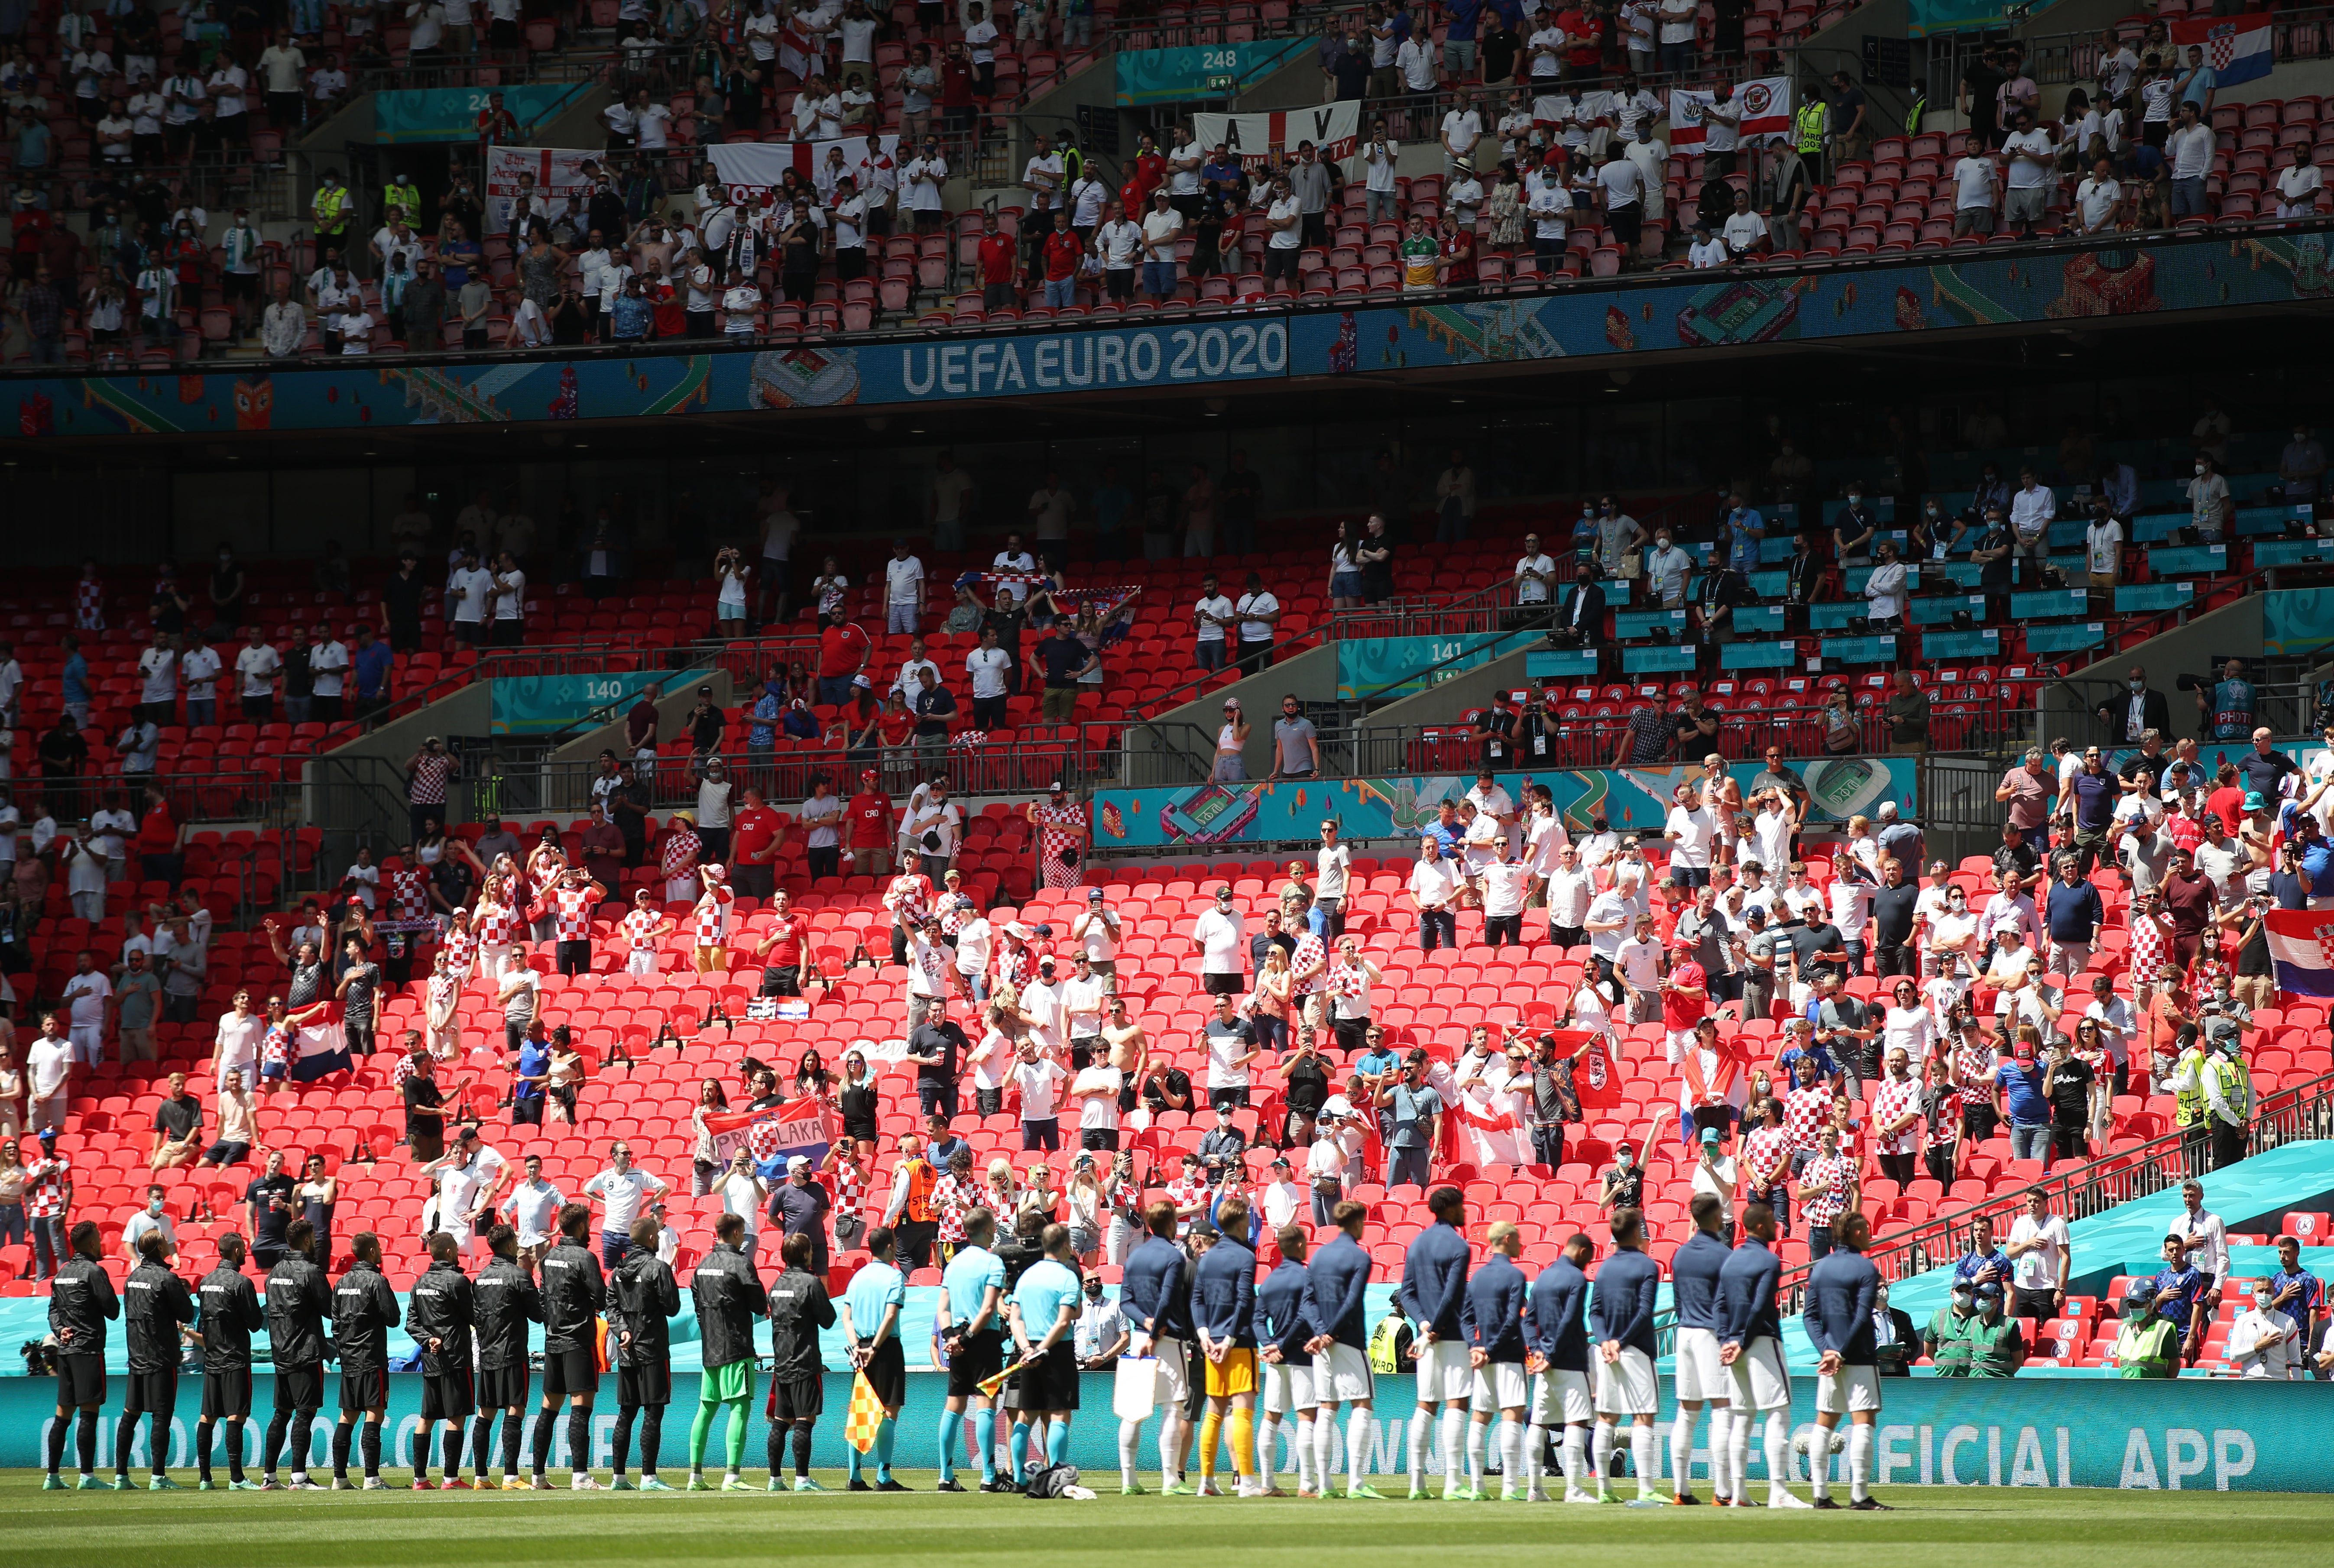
1904, 415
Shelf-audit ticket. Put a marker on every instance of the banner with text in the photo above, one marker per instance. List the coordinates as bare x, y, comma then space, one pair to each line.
1630, 799
559, 179
1764, 104
2188, 1434
536, 704
747, 169
404, 115
1331, 128
1182, 75
1398, 666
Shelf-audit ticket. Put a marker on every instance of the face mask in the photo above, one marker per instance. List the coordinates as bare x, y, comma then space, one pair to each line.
1963, 1300
1624, 1160
154, 1207
2140, 686
1855, 498
2200, 467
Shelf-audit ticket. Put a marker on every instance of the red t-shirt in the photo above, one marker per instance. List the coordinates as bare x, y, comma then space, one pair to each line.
839, 650
956, 85
896, 727
790, 933
1062, 253
870, 814
1458, 250
1684, 1012
752, 832
2228, 805
996, 258
157, 834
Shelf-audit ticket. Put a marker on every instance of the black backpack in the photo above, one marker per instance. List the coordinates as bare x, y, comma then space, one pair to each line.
1049, 1482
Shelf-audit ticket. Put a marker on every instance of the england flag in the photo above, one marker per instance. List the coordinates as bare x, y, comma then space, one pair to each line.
2237, 48
2302, 944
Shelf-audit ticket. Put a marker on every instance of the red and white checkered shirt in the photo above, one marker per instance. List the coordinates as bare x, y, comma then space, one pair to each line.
1835, 1171
681, 851
850, 1187
910, 894
1184, 1191
1344, 981
428, 786
1893, 1101
1805, 1111
951, 918
1973, 1068
713, 916
1948, 1117
44, 1186
1765, 1152
2148, 946
1013, 966
1309, 951
494, 924
89, 605
572, 907
277, 1048
641, 926
951, 1201
444, 991
409, 894
399, 1070
460, 946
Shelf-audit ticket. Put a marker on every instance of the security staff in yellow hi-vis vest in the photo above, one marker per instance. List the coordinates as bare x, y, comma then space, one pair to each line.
2228, 1086
1810, 126
330, 210
1390, 1341
2187, 1085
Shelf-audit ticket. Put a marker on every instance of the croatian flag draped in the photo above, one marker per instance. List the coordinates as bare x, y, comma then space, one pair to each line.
323, 1050
2237, 48
772, 1137
2301, 946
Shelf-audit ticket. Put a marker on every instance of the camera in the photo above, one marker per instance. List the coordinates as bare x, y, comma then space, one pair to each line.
2188, 683
39, 1358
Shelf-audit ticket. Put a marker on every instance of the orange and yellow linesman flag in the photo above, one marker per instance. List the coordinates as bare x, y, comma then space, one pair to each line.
866, 1417
997, 1379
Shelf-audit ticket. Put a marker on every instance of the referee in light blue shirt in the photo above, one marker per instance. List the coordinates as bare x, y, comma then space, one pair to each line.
972, 1331
1045, 1310
872, 1306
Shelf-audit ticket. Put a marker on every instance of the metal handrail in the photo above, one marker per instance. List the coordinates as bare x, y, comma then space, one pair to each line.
2304, 1113
935, 332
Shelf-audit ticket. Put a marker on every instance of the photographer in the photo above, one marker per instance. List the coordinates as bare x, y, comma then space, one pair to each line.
2225, 708
730, 572
428, 774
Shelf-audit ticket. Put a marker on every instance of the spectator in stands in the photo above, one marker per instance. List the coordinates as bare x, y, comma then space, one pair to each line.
178, 1128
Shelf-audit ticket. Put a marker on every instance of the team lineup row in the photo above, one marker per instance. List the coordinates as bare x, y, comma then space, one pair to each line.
1548, 1362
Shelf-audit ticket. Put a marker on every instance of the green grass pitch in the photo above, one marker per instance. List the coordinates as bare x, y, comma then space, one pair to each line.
2068, 1529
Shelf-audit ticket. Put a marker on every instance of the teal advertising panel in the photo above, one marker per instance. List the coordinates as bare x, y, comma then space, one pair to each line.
2295, 621
1666, 312
2293, 552
1187, 75
2169, 559
1558, 663
451, 113
537, 703
2066, 637
2080, 1429
1398, 666
1983, 643
1397, 808
1658, 661
1757, 655
1739, 309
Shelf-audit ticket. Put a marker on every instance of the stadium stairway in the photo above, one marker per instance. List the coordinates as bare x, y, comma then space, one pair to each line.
2254, 1198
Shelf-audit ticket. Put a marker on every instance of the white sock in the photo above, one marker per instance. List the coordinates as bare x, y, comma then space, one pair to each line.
1421, 1421
1601, 1453
1642, 1450
1325, 1444
1511, 1456
1859, 1462
1779, 1453
1682, 1450
1738, 1456
1535, 1456
1171, 1452
1268, 1446
1475, 1433
1130, 1438
1819, 1462
1301, 1450
1454, 1440
1359, 1422
1722, 1430
1575, 1458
